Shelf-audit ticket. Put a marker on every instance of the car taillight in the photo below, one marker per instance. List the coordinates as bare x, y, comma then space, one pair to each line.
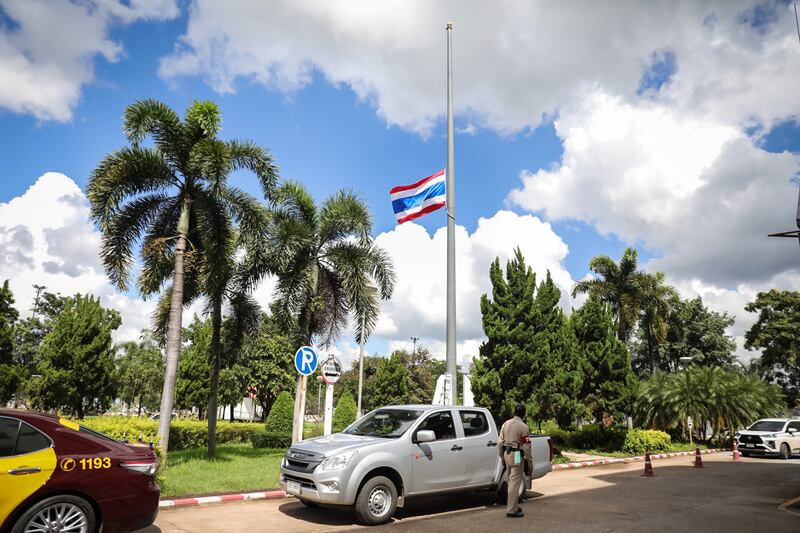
147, 467
550, 445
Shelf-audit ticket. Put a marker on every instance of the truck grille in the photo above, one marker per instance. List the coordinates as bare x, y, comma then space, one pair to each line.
302, 461
750, 439
305, 483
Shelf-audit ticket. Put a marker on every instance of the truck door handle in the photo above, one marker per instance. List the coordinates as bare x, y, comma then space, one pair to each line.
491, 444
24, 470
456, 448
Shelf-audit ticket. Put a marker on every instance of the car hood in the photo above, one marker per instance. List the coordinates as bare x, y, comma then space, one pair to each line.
336, 443
759, 433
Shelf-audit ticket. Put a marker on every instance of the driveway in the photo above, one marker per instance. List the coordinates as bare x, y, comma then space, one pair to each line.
724, 496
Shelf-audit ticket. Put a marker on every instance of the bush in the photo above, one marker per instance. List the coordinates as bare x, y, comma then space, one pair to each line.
592, 437
268, 439
345, 412
559, 436
639, 441
183, 434
281, 415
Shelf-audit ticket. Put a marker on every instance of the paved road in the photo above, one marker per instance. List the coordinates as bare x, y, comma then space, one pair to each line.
722, 497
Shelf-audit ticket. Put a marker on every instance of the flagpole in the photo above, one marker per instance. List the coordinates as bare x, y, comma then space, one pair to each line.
451, 222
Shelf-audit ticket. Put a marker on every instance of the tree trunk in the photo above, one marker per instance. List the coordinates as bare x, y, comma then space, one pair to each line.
232, 406
173, 348
216, 348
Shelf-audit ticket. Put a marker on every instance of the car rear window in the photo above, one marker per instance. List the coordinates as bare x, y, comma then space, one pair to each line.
8, 436
767, 425
30, 440
474, 423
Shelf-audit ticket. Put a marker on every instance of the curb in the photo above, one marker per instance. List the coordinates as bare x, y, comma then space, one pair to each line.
202, 500
613, 460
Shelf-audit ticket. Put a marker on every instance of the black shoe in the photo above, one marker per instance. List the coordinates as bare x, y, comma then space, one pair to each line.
518, 514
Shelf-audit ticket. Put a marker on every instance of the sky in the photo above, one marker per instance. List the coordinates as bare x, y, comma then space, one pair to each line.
581, 129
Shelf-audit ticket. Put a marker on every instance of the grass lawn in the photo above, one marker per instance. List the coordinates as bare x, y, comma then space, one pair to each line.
238, 467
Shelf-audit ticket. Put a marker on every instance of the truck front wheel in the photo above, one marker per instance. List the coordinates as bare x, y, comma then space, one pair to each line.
376, 501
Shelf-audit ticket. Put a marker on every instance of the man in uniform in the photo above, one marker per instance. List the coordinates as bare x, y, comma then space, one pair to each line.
515, 449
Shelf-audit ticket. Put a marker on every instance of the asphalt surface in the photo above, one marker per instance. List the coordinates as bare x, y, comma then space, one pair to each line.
753, 495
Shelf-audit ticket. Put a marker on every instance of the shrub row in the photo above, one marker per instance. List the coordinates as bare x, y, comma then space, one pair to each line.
183, 434
612, 439
271, 439
638, 441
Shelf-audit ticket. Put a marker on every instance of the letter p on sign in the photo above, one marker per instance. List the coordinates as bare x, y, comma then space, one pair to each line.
305, 360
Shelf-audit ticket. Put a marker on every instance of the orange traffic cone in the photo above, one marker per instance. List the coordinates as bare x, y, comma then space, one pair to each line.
648, 466
736, 454
698, 461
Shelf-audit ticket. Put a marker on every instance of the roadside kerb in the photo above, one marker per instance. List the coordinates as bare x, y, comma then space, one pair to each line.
202, 500
279, 494
613, 460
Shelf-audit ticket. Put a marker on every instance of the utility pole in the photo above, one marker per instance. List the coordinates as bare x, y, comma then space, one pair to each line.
39, 289
414, 350
451, 226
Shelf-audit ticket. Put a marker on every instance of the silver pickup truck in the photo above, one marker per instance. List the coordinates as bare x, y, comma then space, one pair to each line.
399, 452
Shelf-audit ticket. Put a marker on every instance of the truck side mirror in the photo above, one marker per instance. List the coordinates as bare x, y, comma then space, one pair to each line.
424, 435
792, 430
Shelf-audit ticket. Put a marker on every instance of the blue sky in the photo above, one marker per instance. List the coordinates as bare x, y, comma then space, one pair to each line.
686, 152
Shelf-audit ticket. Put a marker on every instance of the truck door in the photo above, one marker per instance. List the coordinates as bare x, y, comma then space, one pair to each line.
480, 448
438, 465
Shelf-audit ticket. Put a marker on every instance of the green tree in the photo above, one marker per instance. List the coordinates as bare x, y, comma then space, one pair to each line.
777, 334
268, 356
281, 415
609, 385
345, 412
77, 360
168, 195
620, 286
695, 331
140, 367
194, 372
421, 381
390, 385
657, 301
10, 371
349, 382
530, 354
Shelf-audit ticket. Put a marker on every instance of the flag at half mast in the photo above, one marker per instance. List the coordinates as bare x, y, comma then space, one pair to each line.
413, 201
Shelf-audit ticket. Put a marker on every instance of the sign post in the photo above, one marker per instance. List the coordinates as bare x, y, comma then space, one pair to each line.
305, 361
331, 370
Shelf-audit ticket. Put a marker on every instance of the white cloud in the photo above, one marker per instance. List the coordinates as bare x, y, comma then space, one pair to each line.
417, 307
515, 61
46, 238
47, 49
698, 192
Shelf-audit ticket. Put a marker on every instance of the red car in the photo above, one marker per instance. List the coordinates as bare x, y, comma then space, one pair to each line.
56, 475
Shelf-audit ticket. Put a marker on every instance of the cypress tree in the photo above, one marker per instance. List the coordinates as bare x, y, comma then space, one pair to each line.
77, 367
609, 384
10, 372
345, 412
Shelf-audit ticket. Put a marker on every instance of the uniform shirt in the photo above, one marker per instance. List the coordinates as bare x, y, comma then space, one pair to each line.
512, 433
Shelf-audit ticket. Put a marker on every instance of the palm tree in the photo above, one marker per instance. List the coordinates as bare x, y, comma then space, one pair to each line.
327, 267
657, 300
167, 195
620, 286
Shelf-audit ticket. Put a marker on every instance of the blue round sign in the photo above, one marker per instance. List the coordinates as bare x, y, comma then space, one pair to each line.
306, 360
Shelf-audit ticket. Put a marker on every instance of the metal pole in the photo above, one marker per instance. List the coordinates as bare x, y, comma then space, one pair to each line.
361, 364
451, 222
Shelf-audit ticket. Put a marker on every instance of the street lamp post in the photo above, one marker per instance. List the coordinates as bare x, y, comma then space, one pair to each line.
686, 361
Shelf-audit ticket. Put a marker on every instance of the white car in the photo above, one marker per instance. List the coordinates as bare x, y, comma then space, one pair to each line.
771, 436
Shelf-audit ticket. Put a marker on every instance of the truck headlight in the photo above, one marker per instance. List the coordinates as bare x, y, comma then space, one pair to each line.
338, 461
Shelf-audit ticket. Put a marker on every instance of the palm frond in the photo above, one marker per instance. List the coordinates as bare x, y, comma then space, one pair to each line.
248, 155
344, 215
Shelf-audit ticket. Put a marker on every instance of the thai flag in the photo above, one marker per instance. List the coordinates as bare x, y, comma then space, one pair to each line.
418, 199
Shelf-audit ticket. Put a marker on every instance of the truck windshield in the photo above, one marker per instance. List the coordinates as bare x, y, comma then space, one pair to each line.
385, 423
766, 425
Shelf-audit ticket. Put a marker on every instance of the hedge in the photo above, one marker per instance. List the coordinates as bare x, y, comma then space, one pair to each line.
639, 441
183, 434
281, 416
269, 439
345, 412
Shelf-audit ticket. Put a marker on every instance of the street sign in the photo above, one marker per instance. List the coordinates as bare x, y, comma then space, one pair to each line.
689, 421
306, 360
331, 370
